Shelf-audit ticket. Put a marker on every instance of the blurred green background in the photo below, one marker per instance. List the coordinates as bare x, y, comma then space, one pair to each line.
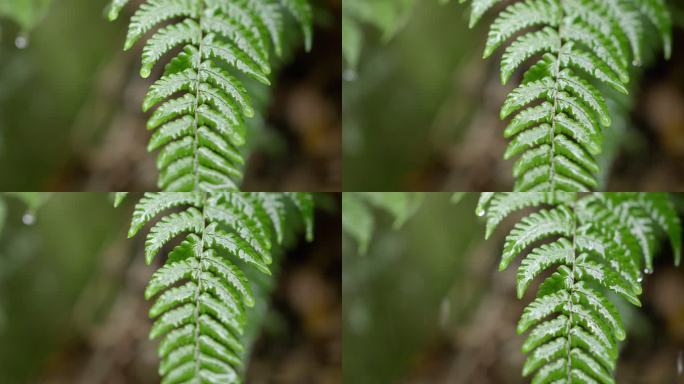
72, 307
427, 304
70, 104
421, 111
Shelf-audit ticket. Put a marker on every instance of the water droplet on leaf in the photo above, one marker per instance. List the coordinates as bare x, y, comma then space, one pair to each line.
480, 212
22, 41
648, 271
28, 218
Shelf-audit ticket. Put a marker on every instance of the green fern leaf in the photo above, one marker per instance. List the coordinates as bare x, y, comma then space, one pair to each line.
596, 243
199, 121
479, 8
539, 260
535, 227
519, 17
556, 129
119, 197
201, 294
503, 204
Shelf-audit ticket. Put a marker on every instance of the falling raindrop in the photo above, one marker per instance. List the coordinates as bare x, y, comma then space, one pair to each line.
349, 75
680, 363
22, 40
359, 319
444, 312
28, 218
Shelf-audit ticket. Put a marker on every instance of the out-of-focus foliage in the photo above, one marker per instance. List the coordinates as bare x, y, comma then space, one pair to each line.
358, 219
33, 201
575, 328
357, 214
392, 100
399, 295
386, 15
66, 90
45, 265
26, 13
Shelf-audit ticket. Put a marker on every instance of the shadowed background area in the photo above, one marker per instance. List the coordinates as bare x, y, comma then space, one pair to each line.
427, 304
421, 112
72, 307
70, 104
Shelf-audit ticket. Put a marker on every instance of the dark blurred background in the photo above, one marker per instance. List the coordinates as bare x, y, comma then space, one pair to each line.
72, 307
70, 104
421, 112
427, 304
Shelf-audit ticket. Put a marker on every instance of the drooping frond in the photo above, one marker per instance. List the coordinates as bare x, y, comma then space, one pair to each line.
558, 114
386, 15
357, 216
593, 244
201, 105
201, 293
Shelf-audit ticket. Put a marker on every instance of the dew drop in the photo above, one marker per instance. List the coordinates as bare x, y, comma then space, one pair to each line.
648, 271
480, 212
359, 319
640, 279
444, 312
22, 40
28, 218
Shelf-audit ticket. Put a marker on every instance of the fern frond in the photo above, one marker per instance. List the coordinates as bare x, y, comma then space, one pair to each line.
593, 244
556, 131
201, 294
199, 121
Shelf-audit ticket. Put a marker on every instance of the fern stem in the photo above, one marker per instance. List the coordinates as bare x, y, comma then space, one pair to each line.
199, 289
571, 291
195, 144
552, 133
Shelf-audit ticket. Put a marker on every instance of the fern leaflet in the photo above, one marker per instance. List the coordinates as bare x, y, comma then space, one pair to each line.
557, 131
198, 126
201, 292
596, 243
